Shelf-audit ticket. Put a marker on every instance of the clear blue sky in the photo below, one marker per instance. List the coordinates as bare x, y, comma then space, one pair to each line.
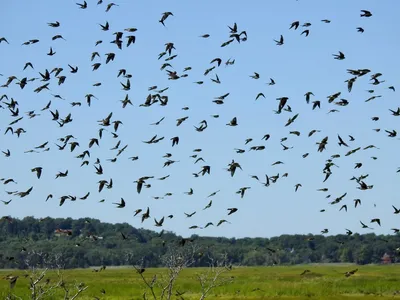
302, 64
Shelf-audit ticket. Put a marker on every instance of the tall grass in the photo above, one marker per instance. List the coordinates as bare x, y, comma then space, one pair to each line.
322, 282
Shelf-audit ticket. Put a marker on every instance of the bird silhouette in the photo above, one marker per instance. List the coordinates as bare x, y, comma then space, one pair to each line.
142, 91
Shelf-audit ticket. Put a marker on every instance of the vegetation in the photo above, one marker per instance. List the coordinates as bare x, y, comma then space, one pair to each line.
323, 282
161, 287
188, 268
93, 243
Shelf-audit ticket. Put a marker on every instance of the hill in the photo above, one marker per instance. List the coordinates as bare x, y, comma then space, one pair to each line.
89, 242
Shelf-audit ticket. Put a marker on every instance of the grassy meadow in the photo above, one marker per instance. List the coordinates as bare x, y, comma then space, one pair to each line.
322, 282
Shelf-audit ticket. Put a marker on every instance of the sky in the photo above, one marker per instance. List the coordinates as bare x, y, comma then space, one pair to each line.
302, 64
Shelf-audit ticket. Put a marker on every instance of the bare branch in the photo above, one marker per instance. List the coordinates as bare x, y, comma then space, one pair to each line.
140, 271
177, 259
81, 288
38, 265
212, 278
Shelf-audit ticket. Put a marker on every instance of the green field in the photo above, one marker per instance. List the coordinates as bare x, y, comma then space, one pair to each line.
323, 282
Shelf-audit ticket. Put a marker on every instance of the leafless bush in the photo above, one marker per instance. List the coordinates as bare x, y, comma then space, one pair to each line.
212, 277
163, 286
38, 266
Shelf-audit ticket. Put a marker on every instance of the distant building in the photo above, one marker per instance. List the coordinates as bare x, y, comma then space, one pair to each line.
59, 232
386, 259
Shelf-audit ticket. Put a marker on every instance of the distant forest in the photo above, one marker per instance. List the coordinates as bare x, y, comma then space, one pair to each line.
89, 242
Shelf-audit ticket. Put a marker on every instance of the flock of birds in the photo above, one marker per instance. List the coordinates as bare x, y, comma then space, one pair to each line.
44, 82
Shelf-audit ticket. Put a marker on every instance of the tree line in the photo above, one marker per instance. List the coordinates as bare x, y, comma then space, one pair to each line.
89, 242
